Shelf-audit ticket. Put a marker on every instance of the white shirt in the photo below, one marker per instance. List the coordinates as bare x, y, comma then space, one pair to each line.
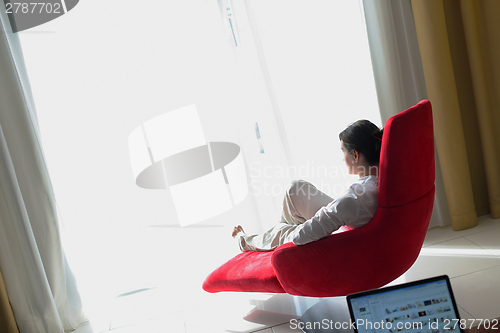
355, 209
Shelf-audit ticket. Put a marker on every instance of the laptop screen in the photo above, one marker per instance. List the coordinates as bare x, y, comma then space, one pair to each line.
425, 306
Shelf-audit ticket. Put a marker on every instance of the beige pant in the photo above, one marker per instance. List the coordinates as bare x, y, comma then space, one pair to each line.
302, 200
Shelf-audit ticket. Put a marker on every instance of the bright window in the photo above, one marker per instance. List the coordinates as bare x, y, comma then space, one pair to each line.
301, 68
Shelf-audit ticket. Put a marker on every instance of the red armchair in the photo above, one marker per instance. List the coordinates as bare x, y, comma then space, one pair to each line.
359, 259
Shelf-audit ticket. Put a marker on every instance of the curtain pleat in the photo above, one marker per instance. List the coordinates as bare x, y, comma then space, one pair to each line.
482, 35
395, 57
458, 43
40, 286
398, 73
7, 320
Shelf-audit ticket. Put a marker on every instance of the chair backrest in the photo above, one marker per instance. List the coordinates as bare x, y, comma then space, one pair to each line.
407, 156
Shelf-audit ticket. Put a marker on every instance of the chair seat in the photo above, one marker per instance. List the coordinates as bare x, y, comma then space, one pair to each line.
247, 272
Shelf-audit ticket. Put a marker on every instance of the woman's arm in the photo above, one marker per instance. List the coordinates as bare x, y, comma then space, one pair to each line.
354, 209
327, 220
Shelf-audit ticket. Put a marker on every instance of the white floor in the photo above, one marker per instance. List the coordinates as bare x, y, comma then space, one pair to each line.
471, 258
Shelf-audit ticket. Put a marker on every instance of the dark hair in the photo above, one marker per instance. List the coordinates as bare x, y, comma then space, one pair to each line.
364, 137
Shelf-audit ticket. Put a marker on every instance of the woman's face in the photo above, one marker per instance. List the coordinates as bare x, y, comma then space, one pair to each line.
349, 159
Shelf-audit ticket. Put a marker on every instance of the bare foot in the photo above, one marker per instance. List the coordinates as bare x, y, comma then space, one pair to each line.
237, 230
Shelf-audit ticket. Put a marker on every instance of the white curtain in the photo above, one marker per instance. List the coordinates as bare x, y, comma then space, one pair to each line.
398, 72
40, 285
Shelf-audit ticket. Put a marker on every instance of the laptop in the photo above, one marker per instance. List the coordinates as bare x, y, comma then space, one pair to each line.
424, 306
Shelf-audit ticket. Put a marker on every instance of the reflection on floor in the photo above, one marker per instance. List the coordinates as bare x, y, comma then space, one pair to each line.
471, 258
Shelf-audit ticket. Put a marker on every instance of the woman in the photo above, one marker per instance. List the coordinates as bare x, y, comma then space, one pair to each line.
309, 214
